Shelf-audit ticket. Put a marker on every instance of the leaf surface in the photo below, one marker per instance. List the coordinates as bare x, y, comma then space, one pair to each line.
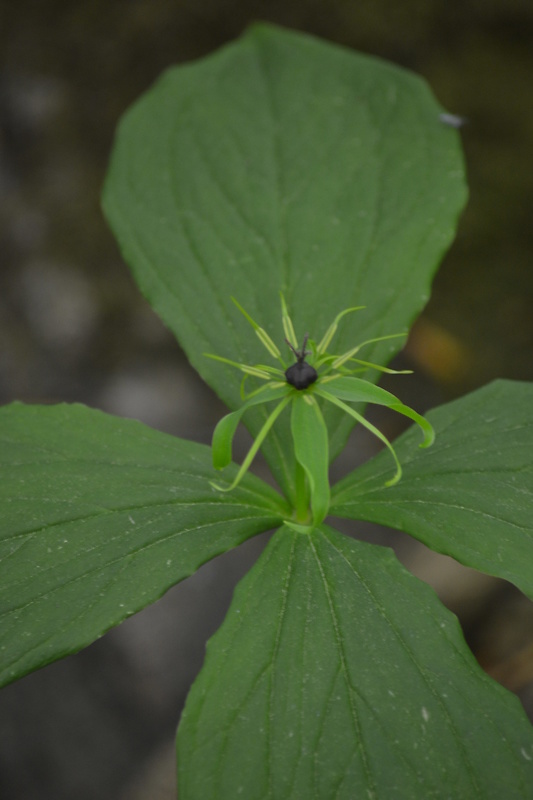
337, 674
471, 495
100, 516
283, 163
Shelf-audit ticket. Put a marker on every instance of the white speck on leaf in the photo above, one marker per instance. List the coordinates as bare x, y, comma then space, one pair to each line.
425, 714
452, 120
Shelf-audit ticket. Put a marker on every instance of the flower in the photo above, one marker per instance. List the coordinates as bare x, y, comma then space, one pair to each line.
324, 375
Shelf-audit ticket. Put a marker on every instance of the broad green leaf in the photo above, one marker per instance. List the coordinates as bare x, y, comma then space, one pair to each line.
471, 495
283, 163
310, 437
100, 516
337, 674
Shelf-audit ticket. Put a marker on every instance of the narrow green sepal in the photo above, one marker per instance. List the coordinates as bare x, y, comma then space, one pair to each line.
311, 449
226, 427
356, 390
258, 441
422, 422
372, 428
218, 486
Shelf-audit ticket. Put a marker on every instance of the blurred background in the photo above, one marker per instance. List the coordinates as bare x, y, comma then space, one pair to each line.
74, 327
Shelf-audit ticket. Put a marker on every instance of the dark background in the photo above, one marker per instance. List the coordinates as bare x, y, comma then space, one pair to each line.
74, 327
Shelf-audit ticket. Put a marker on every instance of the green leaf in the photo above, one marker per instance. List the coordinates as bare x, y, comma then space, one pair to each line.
337, 674
100, 516
310, 437
283, 163
471, 495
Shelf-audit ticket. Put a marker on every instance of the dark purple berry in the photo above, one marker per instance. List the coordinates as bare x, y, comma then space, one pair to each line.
301, 374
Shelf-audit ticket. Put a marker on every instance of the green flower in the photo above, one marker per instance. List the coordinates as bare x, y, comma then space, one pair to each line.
315, 374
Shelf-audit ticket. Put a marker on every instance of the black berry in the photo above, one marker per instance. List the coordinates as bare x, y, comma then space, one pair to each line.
301, 374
